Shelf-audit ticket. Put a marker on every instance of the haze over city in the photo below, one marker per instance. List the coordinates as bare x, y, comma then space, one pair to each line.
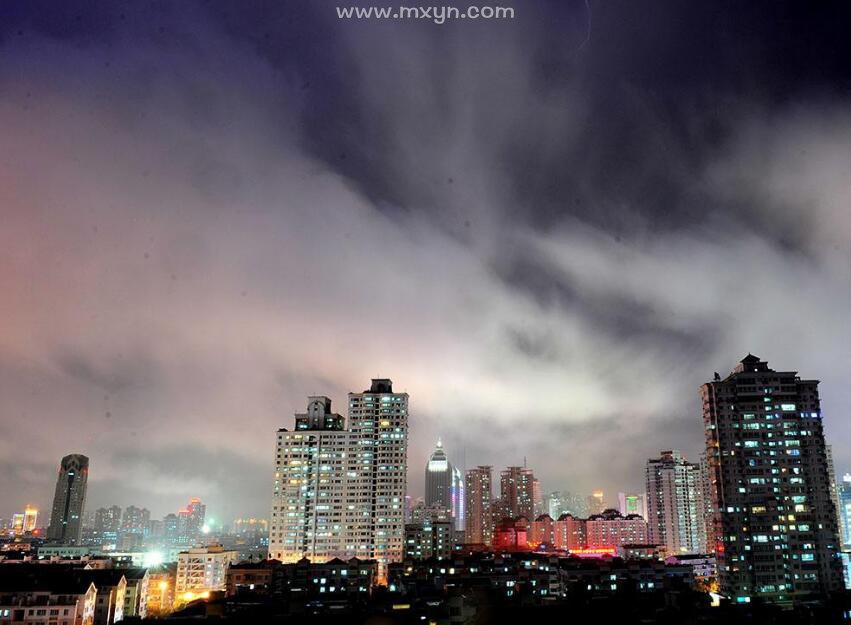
548, 241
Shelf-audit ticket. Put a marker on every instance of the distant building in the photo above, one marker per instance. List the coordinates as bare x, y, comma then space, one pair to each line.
479, 494
107, 524
569, 533
562, 502
190, 522
69, 500
250, 527
458, 499
135, 520
444, 485
675, 509
541, 531
24, 522
537, 498
201, 570
596, 502
611, 529
517, 493
775, 529
633, 503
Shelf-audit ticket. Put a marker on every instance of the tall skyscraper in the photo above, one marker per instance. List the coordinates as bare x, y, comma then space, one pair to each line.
341, 492
675, 511
458, 508
438, 479
379, 419
69, 500
479, 522
517, 493
444, 486
774, 524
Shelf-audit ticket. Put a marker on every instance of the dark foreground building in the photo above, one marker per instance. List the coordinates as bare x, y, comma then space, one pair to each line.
774, 522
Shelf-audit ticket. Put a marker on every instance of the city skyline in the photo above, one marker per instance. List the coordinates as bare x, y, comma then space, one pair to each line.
206, 217
610, 498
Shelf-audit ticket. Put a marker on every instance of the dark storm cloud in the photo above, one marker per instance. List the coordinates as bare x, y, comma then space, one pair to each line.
548, 235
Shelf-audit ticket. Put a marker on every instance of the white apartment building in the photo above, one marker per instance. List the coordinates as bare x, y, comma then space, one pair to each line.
201, 570
340, 492
675, 508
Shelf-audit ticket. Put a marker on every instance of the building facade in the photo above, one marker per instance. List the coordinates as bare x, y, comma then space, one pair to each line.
675, 510
201, 570
107, 524
774, 523
438, 479
610, 529
69, 500
479, 494
517, 493
340, 492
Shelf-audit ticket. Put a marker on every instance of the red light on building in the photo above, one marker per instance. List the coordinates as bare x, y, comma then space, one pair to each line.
594, 552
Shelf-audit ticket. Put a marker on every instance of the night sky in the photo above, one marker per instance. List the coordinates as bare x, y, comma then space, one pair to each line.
548, 230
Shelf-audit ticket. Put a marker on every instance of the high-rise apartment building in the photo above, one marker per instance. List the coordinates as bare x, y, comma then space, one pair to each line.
135, 520
517, 493
190, 522
537, 498
675, 511
774, 529
378, 417
107, 523
340, 492
479, 495
69, 500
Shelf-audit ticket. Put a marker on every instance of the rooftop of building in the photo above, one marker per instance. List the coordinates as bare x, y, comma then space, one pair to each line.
53, 578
